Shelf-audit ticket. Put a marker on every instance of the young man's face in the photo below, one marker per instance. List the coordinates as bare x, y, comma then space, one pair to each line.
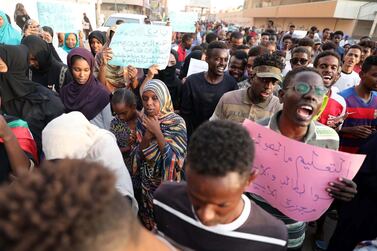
300, 107
265, 39
287, 44
352, 57
300, 59
326, 34
291, 29
217, 61
369, 78
216, 200
337, 38
236, 42
249, 65
236, 68
366, 52
187, 44
263, 88
329, 68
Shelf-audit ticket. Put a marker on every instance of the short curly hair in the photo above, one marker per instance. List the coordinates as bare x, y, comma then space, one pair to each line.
269, 60
219, 147
64, 205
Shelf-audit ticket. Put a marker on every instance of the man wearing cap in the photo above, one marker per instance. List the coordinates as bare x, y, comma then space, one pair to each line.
257, 101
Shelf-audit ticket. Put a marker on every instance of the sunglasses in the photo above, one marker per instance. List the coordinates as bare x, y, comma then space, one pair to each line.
301, 61
304, 88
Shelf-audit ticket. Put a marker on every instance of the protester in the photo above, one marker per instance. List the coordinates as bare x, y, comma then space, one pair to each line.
20, 15
160, 150
357, 218
237, 65
265, 37
200, 55
18, 151
257, 101
185, 44
123, 126
300, 57
302, 94
326, 35
337, 37
86, 26
91, 215
367, 47
8, 35
253, 53
361, 101
48, 35
211, 205
349, 78
236, 39
43, 66
23, 98
72, 136
328, 65
97, 40
31, 27
112, 76
202, 91
85, 93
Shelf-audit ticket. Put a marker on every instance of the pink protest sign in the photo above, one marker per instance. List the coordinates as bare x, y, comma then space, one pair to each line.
293, 176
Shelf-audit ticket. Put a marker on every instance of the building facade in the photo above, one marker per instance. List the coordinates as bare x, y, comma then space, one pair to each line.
353, 17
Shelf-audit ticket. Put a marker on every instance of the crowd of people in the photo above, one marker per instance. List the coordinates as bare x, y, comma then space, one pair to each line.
95, 156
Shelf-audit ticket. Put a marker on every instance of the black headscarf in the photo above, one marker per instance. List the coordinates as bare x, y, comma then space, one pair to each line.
90, 98
184, 70
14, 83
24, 98
49, 68
53, 51
99, 35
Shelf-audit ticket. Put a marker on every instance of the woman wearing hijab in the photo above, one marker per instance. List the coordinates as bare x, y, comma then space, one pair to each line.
44, 68
22, 97
85, 93
8, 35
161, 146
169, 77
97, 40
48, 36
60, 140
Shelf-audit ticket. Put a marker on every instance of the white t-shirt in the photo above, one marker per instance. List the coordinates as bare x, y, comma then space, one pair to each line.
346, 81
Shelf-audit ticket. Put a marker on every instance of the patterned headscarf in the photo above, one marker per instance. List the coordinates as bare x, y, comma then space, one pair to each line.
162, 92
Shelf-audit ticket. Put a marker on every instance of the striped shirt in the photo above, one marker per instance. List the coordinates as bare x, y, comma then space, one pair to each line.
176, 220
317, 135
236, 106
359, 113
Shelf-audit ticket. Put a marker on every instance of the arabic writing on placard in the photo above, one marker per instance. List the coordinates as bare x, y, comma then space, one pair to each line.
293, 176
141, 45
62, 17
183, 21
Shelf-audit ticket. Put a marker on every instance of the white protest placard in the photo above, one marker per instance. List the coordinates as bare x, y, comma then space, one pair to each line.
293, 176
60, 16
197, 66
183, 21
141, 45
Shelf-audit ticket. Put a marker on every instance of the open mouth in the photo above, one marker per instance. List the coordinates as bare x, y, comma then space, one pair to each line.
265, 94
305, 112
327, 77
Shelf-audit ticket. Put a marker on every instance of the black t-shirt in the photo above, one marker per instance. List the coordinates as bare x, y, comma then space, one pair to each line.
199, 98
176, 220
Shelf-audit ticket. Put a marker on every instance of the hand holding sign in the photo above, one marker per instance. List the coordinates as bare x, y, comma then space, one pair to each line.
295, 177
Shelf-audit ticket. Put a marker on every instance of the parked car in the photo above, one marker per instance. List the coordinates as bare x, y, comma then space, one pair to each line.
126, 17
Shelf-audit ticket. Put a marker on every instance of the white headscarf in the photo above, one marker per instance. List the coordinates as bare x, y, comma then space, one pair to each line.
72, 136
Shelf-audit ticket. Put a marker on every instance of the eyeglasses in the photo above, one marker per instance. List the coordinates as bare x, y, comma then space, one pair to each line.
304, 88
296, 61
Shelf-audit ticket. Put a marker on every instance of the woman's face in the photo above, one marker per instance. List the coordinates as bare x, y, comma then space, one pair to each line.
47, 37
124, 112
1, 21
95, 45
151, 103
172, 60
81, 71
71, 41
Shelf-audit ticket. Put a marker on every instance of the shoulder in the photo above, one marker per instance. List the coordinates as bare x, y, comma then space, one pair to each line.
233, 96
195, 77
347, 92
338, 98
171, 196
229, 79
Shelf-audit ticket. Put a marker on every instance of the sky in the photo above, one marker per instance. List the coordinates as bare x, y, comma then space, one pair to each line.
220, 4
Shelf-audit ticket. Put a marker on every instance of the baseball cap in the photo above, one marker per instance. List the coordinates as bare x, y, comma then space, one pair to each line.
266, 71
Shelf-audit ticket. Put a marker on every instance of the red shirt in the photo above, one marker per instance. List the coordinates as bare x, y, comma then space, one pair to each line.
336, 106
357, 68
181, 53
